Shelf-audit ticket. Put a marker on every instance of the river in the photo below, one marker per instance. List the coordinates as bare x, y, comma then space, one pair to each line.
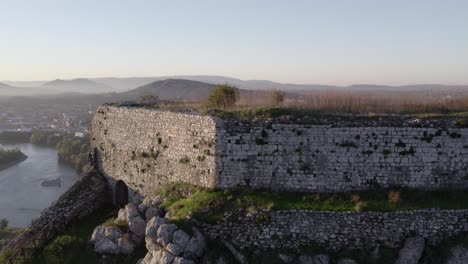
22, 197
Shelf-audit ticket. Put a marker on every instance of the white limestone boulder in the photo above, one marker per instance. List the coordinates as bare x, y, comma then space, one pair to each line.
304, 259
106, 246
128, 212
126, 246
346, 261
321, 259
411, 251
98, 234
165, 232
137, 226
179, 260
458, 255
196, 245
151, 212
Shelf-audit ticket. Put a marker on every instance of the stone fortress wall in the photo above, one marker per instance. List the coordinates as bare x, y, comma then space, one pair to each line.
146, 148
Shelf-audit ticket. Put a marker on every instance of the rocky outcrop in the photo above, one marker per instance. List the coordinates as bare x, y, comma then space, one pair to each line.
127, 231
458, 255
412, 251
112, 240
166, 243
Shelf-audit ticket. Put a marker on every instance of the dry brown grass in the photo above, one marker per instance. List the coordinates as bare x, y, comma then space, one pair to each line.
364, 102
347, 101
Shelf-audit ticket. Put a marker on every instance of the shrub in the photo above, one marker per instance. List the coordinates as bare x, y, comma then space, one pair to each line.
277, 97
9, 155
3, 223
356, 198
184, 160
149, 99
5, 255
144, 155
58, 251
394, 197
223, 96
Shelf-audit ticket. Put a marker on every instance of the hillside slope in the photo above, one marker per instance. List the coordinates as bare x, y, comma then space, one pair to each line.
172, 89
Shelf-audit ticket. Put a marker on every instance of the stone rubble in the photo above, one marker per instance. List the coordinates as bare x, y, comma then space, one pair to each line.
112, 240
165, 242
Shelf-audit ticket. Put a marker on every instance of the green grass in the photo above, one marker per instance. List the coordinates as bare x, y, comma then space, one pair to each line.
10, 232
83, 253
5, 235
185, 200
263, 113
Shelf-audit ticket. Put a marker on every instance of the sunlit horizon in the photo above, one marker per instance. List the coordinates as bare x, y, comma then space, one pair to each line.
301, 42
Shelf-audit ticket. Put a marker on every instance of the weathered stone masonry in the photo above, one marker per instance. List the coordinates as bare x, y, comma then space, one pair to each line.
340, 230
147, 147
324, 158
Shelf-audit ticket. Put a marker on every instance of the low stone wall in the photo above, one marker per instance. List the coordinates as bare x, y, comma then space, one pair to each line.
340, 230
82, 199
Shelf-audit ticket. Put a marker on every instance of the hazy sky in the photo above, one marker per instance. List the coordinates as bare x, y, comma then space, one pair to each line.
298, 41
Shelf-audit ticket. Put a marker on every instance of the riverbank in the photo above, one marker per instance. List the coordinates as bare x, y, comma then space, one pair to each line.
22, 197
22, 157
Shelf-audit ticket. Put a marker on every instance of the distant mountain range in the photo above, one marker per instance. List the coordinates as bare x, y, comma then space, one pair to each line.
8, 90
76, 86
119, 85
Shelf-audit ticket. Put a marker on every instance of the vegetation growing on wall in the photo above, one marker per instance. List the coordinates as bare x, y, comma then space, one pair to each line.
184, 200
